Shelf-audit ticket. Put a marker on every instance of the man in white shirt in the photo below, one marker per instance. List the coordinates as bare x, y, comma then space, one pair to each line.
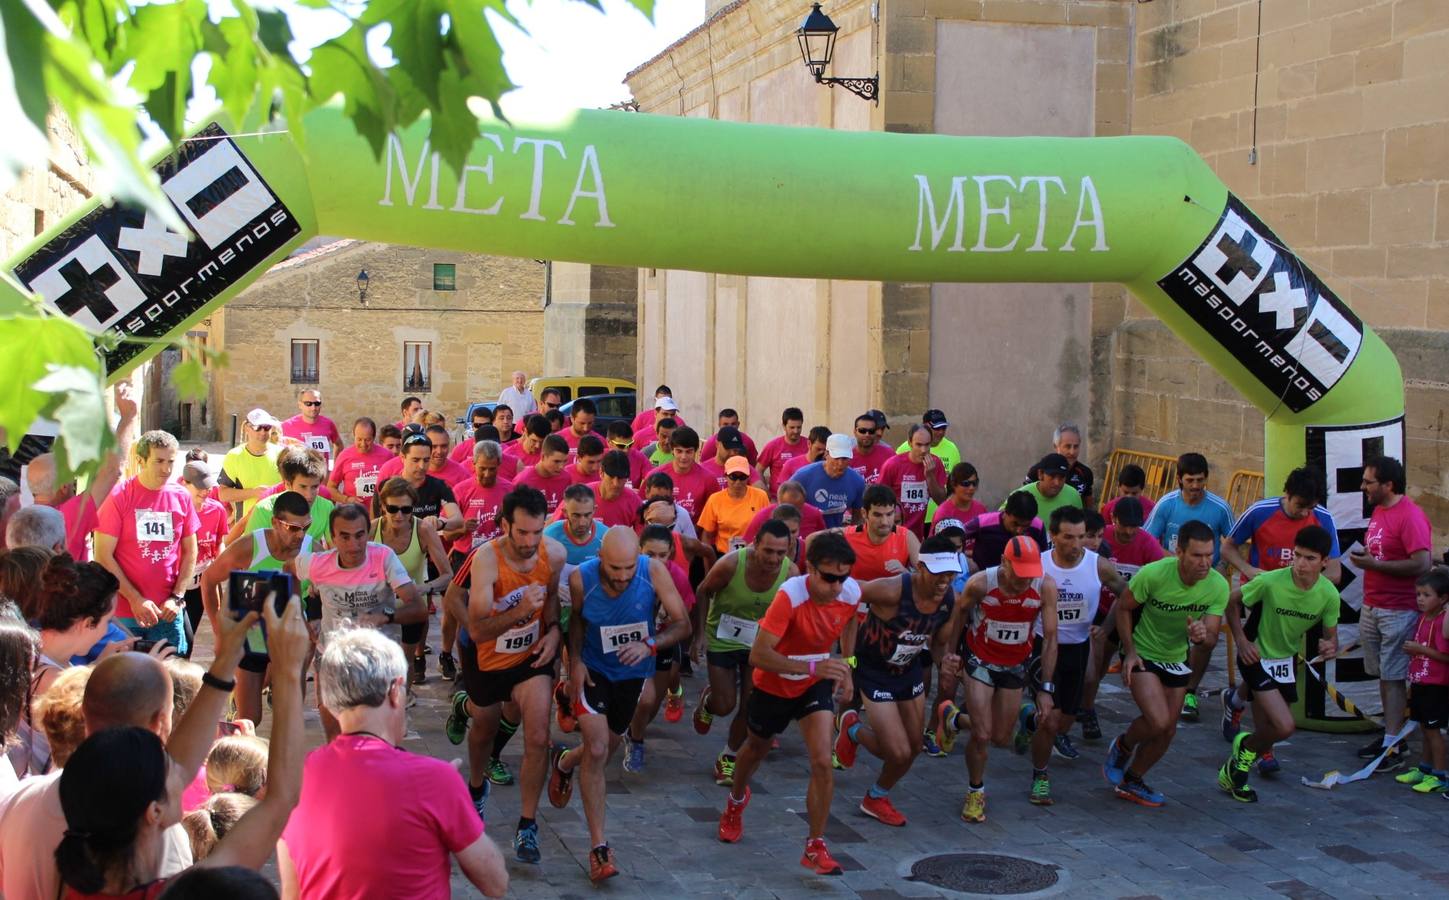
518, 397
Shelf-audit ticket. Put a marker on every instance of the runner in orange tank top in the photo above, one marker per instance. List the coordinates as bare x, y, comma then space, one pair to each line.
513, 618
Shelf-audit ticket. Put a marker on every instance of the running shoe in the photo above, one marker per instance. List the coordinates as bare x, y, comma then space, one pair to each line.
929, 746
1413, 776
882, 810
456, 728
1372, 749
845, 746
1091, 728
560, 783
1432, 784
525, 844
674, 705
724, 769
818, 859
947, 735
447, 666
420, 670
703, 718
1115, 667
601, 864
732, 820
633, 756
1041, 790
1232, 718
974, 809
480, 800
564, 708
1268, 764
1190, 712
1233, 776
1138, 792
1114, 767
498, 772
1396, 759
1025, 728
1064, 747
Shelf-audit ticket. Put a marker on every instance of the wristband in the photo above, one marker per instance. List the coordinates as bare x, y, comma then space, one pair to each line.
212, 681
652, 645
850, 660
812, 668
1048, 687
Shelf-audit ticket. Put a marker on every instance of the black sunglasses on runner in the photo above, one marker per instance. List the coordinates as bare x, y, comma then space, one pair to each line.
738, 477
311, 402
831, 579
406, 510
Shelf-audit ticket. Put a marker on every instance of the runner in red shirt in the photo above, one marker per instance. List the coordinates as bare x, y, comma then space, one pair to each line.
621, 438
870, 454
1009, 600
779, 451
548, 474
793, 494
814, 452
692, 484
882, 548
916, 477
796, 678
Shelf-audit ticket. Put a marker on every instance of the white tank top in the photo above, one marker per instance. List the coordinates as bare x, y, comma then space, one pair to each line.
1079, 590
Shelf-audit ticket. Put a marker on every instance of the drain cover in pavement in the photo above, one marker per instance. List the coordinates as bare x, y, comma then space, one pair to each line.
984, 873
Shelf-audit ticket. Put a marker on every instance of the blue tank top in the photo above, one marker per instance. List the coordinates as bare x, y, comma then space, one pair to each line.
611, 623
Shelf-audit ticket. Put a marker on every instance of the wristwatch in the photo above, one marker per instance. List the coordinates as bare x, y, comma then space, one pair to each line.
1049, 687
653, 648
392, 617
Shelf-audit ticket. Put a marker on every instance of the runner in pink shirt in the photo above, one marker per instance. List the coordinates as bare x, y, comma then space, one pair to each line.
781, 450
439, 466
729, 418
792, 493
524, 452
617, 503
620, 437
312, 429
692, 484
961, 504
548, 476
814, 453
357, 471
664, 407
215, 519
1131, 482
730, 442
463, 453
870, 455
587, 456
916, 477
146, 537
581, 425
479, 498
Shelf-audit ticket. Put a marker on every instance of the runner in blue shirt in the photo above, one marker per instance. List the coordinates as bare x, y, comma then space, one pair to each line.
831, 486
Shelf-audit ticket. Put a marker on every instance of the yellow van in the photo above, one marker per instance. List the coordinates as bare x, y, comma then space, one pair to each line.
575, 386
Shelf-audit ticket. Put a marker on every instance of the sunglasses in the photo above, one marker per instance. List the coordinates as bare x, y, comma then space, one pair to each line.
396, 510
971, 482
622, 445
739, 477
311, 402
550, 405
831, 579
865, 431
262, 427
295, 529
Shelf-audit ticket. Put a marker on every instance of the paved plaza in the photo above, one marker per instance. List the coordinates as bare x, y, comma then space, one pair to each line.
1369, 839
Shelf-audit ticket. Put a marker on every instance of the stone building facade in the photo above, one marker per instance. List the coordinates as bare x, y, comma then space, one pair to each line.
1330, 118
446, 327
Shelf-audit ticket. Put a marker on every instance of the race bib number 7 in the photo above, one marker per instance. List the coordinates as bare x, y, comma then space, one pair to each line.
616, 637
736, 629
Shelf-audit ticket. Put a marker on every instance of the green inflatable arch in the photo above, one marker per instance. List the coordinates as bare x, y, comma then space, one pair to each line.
666, 192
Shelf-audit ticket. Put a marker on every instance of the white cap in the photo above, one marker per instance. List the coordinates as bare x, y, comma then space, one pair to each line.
667, 404
259, 417
938, 563
839, 446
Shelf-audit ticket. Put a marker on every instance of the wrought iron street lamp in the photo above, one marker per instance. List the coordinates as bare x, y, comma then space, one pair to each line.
817, 45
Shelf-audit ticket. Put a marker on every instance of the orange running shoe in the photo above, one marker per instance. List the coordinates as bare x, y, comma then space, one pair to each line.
560, 783
674, 705
732, 820
601, 864
818, 859
881, 809
564, 705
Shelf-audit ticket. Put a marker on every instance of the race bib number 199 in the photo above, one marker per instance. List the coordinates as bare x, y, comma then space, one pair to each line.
517, 640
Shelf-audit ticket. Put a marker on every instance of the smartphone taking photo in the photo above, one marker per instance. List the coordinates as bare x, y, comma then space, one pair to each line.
247, 592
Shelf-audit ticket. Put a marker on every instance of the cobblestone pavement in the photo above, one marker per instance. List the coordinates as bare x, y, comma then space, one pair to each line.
1373, 838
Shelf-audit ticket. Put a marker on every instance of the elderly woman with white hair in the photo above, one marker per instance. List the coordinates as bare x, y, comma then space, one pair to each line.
371, 813
36, 526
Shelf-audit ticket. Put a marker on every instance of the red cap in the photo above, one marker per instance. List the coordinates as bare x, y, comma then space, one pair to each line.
1025, 557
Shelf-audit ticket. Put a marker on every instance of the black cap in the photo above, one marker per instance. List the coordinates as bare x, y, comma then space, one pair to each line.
1127, 511
1054, 464
879, 417
934, 418
729, 438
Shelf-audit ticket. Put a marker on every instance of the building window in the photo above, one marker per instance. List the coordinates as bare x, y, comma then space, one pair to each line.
417, 366
305, 354
445, 277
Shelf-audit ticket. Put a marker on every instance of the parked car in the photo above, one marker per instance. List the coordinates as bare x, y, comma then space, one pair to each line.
465, 422
574, 386
611, 408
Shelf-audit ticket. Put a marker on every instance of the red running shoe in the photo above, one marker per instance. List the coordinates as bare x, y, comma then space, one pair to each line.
703, 718
674, 705
845, 747
882, 809
560, 783
567, 722
601, 864
732, 820
818, 859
